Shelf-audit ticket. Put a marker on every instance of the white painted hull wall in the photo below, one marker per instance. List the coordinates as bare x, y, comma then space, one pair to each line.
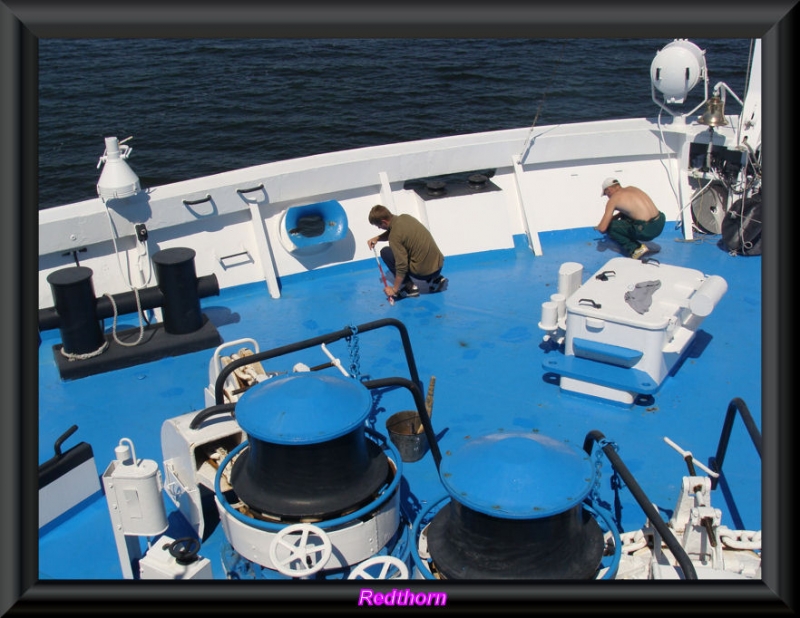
549, 178
235, 229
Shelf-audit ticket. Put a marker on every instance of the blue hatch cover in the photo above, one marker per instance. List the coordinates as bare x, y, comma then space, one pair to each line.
518, 475
303, 408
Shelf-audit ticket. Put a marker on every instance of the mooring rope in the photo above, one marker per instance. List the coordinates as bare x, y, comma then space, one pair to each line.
135, 289
116, 313
74, 357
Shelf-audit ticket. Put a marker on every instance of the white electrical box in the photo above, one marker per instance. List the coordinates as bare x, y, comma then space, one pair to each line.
192, 455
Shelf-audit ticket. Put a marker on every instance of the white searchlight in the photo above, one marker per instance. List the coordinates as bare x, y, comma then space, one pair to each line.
117, 180
675, 71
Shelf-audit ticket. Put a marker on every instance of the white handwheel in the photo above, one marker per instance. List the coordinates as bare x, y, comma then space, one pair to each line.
300, 549
362, 571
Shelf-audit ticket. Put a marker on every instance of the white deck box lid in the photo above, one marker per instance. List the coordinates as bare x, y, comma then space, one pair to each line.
602, 296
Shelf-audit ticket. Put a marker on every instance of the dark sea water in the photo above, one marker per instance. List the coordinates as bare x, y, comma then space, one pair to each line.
200, 106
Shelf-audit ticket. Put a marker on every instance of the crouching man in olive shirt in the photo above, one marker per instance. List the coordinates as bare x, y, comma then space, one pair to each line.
412, 252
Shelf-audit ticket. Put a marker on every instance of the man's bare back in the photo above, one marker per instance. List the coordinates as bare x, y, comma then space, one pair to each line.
633, 202
630, 201
630, 218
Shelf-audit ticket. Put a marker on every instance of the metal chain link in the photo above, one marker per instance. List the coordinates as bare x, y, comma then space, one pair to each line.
632, 541
598, 466
615, 481
740, 539
355, 353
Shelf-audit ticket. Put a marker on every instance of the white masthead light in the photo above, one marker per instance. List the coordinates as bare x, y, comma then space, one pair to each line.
117, 179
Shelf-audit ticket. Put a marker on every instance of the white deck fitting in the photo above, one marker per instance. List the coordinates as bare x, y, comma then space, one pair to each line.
614, 351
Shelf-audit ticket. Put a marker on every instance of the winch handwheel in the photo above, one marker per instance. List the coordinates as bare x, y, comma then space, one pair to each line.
388, 562
185, 549
304, 550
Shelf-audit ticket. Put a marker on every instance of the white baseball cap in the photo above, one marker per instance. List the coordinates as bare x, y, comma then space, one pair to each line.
607, 183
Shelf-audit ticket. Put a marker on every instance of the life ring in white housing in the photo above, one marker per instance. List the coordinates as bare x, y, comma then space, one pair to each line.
314, 227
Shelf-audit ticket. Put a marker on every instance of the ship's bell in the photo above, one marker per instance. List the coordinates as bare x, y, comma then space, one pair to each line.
714, 115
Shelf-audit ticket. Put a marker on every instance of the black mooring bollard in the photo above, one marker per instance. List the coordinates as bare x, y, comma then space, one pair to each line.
177, 281
73, 293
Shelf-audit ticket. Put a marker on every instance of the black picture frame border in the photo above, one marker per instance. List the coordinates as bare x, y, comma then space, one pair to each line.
23, 23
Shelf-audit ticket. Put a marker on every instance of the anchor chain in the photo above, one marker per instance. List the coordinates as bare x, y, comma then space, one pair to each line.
740, 539
616, 479
598, 466
353, 348
633, 541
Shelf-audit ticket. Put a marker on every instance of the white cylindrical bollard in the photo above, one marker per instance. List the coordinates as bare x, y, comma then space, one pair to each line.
561, 302
570, 278
707, 296
549, 316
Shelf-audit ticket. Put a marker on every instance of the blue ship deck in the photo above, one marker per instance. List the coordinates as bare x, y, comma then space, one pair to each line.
479, 339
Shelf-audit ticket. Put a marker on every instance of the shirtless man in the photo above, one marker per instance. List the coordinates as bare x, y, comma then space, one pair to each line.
637, 219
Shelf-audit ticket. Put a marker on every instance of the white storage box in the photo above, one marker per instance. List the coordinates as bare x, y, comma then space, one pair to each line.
628, 325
